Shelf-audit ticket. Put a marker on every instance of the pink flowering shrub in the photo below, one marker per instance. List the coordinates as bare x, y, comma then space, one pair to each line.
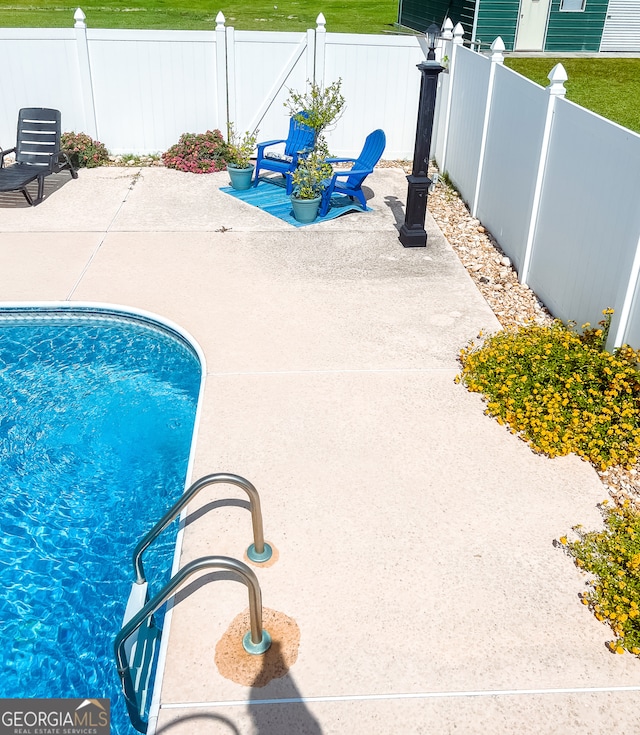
83, 151
198, 153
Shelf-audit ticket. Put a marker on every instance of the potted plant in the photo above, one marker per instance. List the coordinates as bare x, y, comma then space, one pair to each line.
309, 180
239, 151
322, 106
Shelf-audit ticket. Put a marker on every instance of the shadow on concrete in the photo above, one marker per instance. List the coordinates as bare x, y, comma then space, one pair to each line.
204, 718
280, 718
202, 581
397, 209
368, 193
212, 505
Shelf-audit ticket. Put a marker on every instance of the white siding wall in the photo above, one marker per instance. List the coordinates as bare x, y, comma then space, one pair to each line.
622, 26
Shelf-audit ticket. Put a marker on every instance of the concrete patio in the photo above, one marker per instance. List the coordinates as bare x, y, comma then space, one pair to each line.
414, 534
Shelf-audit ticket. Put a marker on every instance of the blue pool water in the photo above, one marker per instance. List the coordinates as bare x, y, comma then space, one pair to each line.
96, 422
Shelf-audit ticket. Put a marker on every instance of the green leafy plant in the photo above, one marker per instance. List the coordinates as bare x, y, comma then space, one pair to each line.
309, 178
561, 391
83, 151
613, 557
322, 106
240, 147
198, 153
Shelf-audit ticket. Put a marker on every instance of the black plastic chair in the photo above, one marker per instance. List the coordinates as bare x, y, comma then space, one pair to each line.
37, 152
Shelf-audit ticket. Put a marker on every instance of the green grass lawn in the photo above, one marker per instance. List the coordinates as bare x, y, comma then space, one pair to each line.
610, 87
356, 16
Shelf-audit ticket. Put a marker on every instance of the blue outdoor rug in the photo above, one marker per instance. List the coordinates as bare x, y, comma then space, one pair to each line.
271, 197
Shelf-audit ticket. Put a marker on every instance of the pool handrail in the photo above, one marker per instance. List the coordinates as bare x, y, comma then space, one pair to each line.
257, 552
256, 641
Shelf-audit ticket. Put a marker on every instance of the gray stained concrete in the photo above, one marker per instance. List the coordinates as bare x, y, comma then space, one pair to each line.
415, 535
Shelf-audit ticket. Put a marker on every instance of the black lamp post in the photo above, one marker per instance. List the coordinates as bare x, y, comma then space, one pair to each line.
412, 232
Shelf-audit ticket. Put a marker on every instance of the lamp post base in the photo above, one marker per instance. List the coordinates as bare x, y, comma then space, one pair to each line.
412, 232
413, 237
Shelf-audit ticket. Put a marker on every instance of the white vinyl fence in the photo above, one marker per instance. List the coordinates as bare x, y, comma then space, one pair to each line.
556, 185
138, 91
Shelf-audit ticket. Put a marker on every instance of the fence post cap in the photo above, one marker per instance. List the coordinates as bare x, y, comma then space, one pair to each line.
497, 49
220, 19
447, 29
79, 18
458, 33
321, 22
557, 77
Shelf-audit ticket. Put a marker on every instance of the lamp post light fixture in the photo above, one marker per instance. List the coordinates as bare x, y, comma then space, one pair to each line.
412, 232
433, 34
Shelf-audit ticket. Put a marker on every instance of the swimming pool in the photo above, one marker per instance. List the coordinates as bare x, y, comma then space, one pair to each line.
97, 414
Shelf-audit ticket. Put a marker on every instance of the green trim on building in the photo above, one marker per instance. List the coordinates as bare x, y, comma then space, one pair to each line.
576, 31
497, 18
566, 30
420, 14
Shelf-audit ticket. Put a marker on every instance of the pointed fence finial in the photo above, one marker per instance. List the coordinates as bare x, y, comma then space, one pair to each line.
497, 51
79, 18
220, 19
321, 22
447, 30
557, 76
458, 33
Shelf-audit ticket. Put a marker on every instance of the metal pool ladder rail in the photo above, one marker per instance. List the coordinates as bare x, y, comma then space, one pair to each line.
257, 552
135, 644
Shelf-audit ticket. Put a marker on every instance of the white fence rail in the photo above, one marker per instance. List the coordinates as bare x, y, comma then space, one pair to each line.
138, 91
556, 185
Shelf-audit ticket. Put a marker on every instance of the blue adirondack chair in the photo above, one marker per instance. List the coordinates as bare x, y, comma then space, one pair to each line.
362, 167
299, 142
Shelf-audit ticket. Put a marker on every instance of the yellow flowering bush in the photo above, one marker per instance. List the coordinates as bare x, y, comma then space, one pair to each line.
613, 556
561, 390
